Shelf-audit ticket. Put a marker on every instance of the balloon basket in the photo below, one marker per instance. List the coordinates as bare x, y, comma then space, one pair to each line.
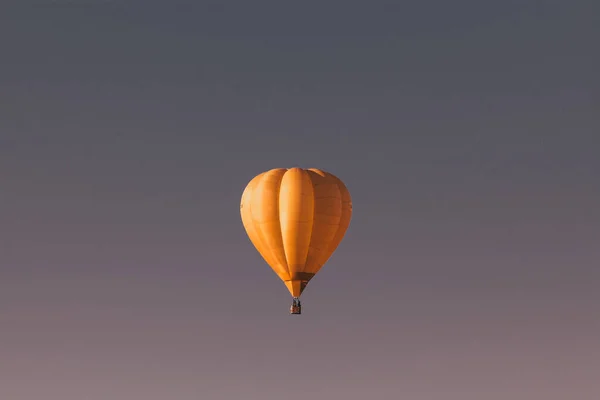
296, 307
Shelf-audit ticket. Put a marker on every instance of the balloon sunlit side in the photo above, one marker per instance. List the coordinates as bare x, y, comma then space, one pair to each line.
296, 218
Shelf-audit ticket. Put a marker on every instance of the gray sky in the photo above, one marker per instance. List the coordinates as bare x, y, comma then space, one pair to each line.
466, 132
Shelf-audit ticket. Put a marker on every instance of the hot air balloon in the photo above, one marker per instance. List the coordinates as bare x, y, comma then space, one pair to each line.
296, 218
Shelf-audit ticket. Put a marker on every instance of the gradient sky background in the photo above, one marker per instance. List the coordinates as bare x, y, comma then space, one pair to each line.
466, 131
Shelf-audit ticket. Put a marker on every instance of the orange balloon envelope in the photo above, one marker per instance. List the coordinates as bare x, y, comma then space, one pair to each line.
296, 218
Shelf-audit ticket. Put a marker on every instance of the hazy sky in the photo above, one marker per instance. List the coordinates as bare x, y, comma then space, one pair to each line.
466, 131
